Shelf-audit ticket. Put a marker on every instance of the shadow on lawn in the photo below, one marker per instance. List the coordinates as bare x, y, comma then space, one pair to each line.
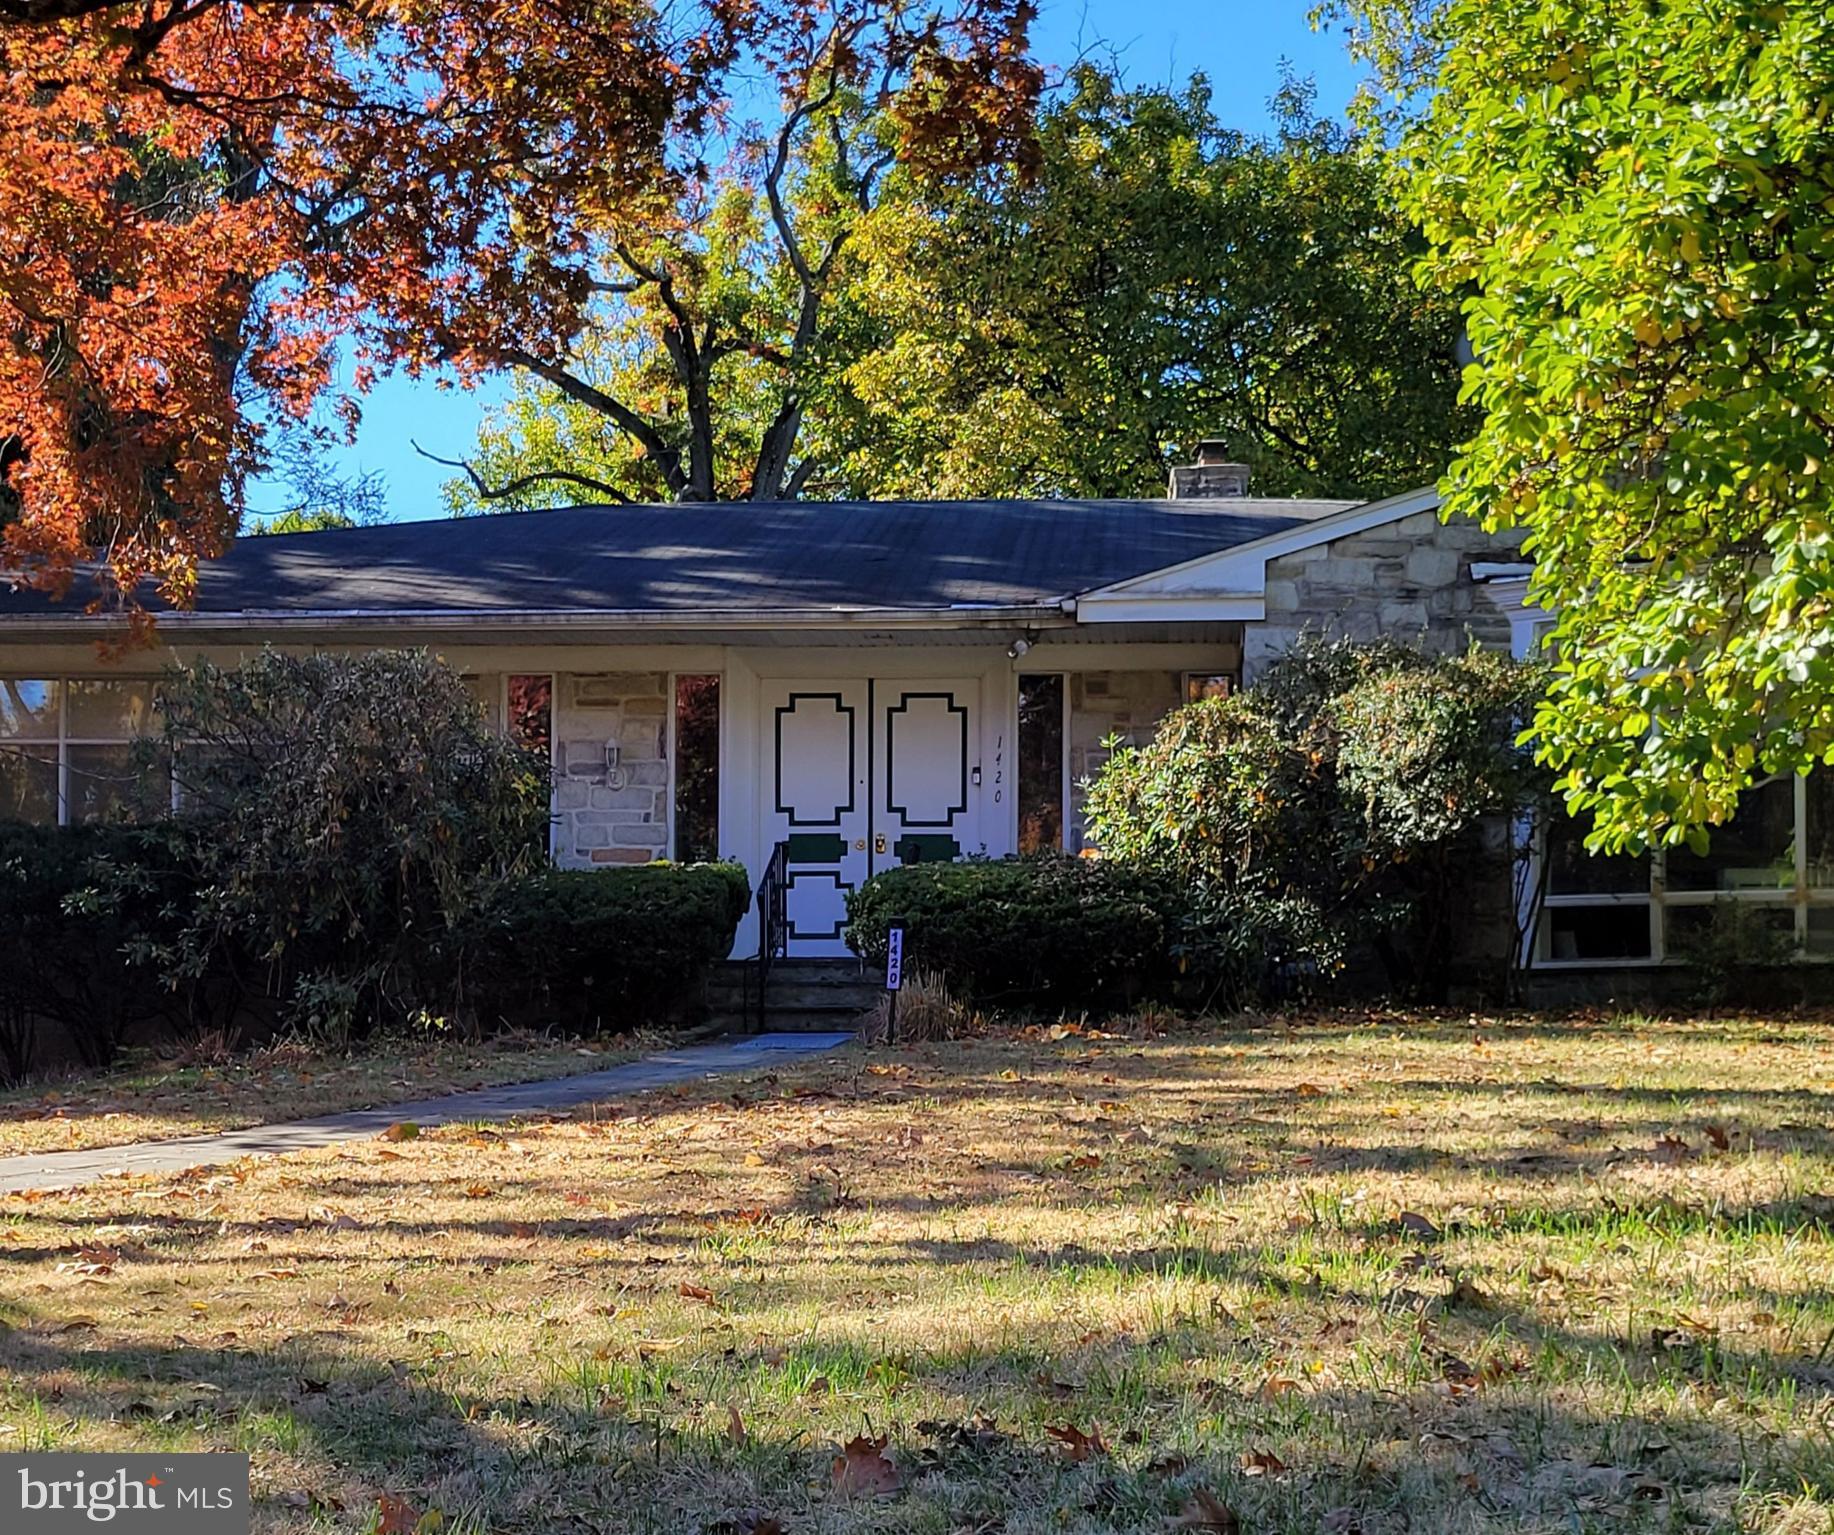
635, 1445
610, 1443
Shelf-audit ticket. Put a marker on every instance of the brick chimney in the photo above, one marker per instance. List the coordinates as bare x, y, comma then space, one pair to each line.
1212, 478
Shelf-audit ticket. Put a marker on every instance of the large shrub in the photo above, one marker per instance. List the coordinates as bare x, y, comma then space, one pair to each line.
350, 814
1044, 930
77, 906
1341, 801
603, 948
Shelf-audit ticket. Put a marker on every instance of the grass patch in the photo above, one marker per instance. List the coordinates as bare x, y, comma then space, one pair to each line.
161, 1098
1375, 1273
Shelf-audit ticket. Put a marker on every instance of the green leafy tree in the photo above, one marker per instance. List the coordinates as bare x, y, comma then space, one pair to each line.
694, 381
1069, 324
1157, 278
1637, 202
695, 378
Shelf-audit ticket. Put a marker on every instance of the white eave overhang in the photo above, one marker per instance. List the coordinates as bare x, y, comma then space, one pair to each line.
1194, 607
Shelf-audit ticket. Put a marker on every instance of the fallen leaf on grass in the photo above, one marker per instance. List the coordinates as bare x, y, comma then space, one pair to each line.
395, 1516
1077, 1445
1206, 1511
1262, 1463
1670, 1149
1456, 1378
1719, 1136
402, 1130
735, 1426
87, 1273
1277, 1386
861, 1469
980, 1436
479, 1191
1416, 1224
694, 1292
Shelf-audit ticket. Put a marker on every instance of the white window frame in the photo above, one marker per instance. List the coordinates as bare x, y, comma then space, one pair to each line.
1528, 626
64, 740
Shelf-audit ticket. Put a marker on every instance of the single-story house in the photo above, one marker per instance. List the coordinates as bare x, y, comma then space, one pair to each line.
862, 683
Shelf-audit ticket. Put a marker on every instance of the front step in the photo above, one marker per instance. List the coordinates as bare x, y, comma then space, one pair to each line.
802, 995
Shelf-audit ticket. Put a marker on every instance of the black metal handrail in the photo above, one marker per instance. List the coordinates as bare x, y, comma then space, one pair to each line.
773, 919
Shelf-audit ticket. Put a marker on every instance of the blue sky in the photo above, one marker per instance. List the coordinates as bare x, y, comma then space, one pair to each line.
1239, 44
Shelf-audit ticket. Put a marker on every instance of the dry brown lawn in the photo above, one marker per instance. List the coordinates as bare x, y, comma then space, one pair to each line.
1371, 1273
160, 1099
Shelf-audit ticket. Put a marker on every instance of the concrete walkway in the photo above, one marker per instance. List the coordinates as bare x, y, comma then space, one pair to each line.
68, 1169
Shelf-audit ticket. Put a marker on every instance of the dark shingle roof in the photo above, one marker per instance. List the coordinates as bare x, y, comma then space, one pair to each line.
730, 557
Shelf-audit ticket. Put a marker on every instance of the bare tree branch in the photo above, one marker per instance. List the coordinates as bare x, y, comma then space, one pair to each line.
786, 139
693, 366
523, 481
661, 451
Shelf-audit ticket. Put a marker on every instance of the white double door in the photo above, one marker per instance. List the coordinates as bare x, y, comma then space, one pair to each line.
860, 776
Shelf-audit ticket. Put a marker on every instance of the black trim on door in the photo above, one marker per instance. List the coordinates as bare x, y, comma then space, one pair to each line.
841, 887
891, 760
927, 847
841, 707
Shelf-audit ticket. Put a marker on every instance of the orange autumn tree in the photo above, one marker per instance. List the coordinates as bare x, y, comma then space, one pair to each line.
201, 201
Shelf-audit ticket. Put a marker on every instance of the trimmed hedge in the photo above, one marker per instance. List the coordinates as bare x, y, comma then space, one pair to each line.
1047, 930
88, 912
603, 948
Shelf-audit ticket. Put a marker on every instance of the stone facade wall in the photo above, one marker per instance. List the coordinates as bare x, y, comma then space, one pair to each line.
602, 815
1104, 704
1408, 581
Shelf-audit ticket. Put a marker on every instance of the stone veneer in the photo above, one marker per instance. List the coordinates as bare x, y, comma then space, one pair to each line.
601, 816
1103, 704
1407, 581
